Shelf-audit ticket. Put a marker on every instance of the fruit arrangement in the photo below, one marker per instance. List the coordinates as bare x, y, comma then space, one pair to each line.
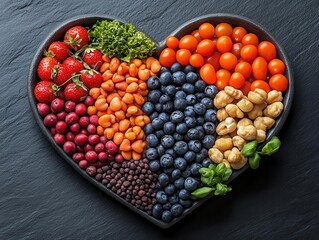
161, 132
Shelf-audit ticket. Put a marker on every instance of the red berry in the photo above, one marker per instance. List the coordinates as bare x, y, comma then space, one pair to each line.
84, 164
69, 147
59, 139
91, 78
61, 74
61, 127
43, 109
75, 128
59, 50
76, 37
74, 65
91, 156
80, 109
99, 147
75, 92
80, 139
94, 139
71, 118
69, 106
45, 91
69, 136
93, 58
91, 129
57, 105
103, 139
84, 121
77, 157
61, 116
84, 131
119, 158
94, 119
50, 120
87, 147
91, 171
45, 68
111, 147
103, 156
89, 101
53, 131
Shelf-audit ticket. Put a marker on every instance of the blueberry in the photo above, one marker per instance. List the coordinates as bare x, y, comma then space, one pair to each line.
194, 145
177, 117
200, 85
191, 99
190, 156
173, 199
157, 123
151, 154
166, 78
177, 210
200, 96
176, 67
167, 206
164, 98
170, 90
186, 173
191, 184
176, 174
167, 216
171, 152
186, 138
169, 190
157, 211
194, 169
159, 134
184, 194
208, 141
189, 111
164, 117
193, 134
180, 147
201, 155
199, 108
167, 141
180, 104
179, 183
161, 197
153, 83
181, 128
191, 77
206, 162
210, 115
148, 129
168, 171
168, 107
154, 96
148, 108
166, 161
152, 140
180, 163
163, 69
207, 102
179, 78
154, 165
163, 179
201, 132
163, 88
200, 121
180, 94
211, 91
153, 115
186, 203
169, 128
209, 127
178, 137
158, 107
188, 88
190, 122
189, 68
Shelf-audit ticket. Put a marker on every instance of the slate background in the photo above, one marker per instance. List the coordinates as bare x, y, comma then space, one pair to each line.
41, 197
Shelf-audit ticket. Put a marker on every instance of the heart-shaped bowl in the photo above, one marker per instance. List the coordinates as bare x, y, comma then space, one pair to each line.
188, 27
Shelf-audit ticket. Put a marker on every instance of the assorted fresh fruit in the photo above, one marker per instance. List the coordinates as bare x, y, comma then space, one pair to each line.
161, 133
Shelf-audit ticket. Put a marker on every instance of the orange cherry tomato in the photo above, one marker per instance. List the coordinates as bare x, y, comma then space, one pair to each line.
250, 39
238, 34
278, 82
182, 56
244, 68
223, 29
224, 44
196, 60
188, 42
206, 30
207, 73
214, 39
228, 61
206, 47
167, 57
259, 68
172, 42
214, 60
276, 66
260, 84
197, 36
246, 88
248, 52
267, 50
236, 80
236, 49
222, 78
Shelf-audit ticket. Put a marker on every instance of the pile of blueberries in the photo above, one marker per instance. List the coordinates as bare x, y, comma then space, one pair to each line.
179, 135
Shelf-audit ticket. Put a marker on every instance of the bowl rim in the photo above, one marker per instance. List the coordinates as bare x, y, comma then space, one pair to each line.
159, 45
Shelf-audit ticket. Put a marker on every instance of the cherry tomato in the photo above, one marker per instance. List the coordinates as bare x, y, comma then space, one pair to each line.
250, 39
224, 44
278, 82
244, 68
167, 57
207, 73
188, 42
214, 60
238, 34
197, 36
228, 61
259, 68
236, 80
260, 84
236, 49
246, 88
196, 60
172, 42
267, 50
223, 29
248, 52
182, 56
206, 30
206, 47
276, 66
222, 79
214, 39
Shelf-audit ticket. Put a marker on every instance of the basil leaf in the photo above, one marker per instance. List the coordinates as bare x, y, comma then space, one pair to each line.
212, 167
205, 172
216, 180
208, 181
222, 189
249, 148
202, 192
220, 169
228, 172
271, 147
254, 161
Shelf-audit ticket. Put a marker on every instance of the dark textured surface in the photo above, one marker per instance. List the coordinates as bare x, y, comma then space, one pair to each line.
42, 197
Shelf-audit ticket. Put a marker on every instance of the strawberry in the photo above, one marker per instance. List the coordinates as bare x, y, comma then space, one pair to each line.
61, 74
93, 58
91, 78
58, 50
45, 91
73, 64
76, 37
45, 68
75, 91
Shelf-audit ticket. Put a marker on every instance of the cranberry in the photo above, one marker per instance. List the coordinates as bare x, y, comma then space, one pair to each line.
43, 109
94, 119
77, 157
110, 157
103, 157
91, 129
75, 128
69, 136
94, 139
84, 164
89, 101
85, 132
80, 139
71, 118
98, 164
61, 127
99, 147
80, 109
91, 156
59, 139
61, 115
79, 149
53, 131
50, 120
84, 121
119, 158
69, 147
91, 170
87, 147
69, 106
103, 139
57, 105
111, 147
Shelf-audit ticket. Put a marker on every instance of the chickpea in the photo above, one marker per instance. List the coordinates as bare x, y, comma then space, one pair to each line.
240, 164
226, 126
244, 122
257, 111
245, 105
274, 110
226, 154
222, 99
224, 143
215, 155
239, 142
227, 164
274, 96
234, 111
233, 134
264, 123
234, 93
261, 136
234, 155
247, 132
258, 96
221, 114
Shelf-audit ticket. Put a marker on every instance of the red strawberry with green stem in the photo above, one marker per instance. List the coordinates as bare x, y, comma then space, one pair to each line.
93, 58
46, 91
76, 37
91, 78
59, 50
75, 91
45, 68
73, 64
61, 74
